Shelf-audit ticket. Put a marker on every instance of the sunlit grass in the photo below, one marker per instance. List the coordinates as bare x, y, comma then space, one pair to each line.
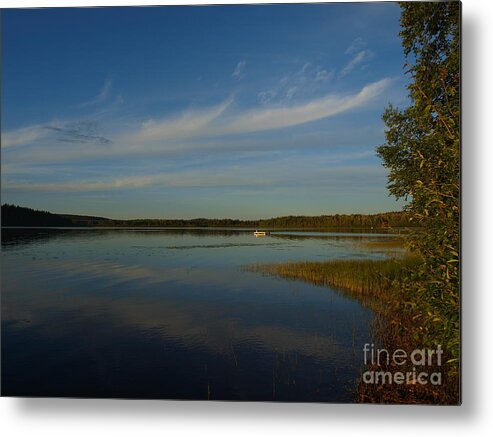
387, 243
365, 277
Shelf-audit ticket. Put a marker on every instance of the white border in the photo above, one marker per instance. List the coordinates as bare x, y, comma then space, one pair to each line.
62, 417
89, 3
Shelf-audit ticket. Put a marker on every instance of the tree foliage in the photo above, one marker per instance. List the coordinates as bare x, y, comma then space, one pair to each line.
17, 216
422, 153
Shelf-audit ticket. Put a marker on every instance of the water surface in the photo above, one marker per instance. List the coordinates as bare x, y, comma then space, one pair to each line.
169, 313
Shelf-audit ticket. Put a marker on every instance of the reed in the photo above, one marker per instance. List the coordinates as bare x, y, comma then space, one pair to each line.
372, 278
387, 243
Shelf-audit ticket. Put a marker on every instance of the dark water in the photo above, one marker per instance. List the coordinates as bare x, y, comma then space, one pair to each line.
172, 314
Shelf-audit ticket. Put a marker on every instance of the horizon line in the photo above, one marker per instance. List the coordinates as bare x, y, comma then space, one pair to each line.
204, 218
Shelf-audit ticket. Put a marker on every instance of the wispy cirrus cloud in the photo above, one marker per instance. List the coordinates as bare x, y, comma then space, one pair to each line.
189, 131
323, 75
24, 135
359, 58
356, 46
83, 131
280, 117
214, 122
239, 69
189, 124
293, 170
301, 83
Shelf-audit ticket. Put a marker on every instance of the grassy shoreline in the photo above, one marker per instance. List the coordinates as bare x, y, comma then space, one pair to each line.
378, 284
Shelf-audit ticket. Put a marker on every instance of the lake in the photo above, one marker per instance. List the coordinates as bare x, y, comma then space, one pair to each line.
172, 313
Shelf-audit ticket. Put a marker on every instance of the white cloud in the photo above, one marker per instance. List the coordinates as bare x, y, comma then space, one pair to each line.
22, 136
302, 83
291, 92
305, 67
67, 132
194, 130
323, 75
357, 45
105, 89
238, 71
187, 179
293, 170
360, 57
185, 126
213, 122
275, 118
266, 96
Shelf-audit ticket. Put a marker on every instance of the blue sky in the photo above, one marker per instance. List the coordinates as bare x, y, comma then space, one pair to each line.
210, 111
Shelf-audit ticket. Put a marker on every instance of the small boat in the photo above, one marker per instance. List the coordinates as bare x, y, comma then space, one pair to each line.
260, 233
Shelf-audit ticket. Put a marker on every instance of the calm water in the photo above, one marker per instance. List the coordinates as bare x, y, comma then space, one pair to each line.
171, 314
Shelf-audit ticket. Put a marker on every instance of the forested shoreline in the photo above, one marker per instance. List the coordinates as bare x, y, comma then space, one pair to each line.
13, 215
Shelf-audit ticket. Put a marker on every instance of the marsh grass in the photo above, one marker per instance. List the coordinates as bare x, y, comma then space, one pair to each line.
370, 278
387, 243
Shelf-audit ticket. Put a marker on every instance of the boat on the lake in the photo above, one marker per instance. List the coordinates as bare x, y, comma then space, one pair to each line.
260, 233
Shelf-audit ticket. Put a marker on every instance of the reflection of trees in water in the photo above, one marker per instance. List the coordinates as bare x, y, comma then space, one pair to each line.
338, 238
14, 237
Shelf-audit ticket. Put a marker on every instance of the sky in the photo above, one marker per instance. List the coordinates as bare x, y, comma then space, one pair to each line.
250, 111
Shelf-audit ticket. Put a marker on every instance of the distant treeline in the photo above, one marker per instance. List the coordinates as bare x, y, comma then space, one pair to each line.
13, 215
19, 216
367, 221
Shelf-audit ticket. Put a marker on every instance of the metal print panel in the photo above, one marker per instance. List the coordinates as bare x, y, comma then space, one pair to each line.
243, 202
